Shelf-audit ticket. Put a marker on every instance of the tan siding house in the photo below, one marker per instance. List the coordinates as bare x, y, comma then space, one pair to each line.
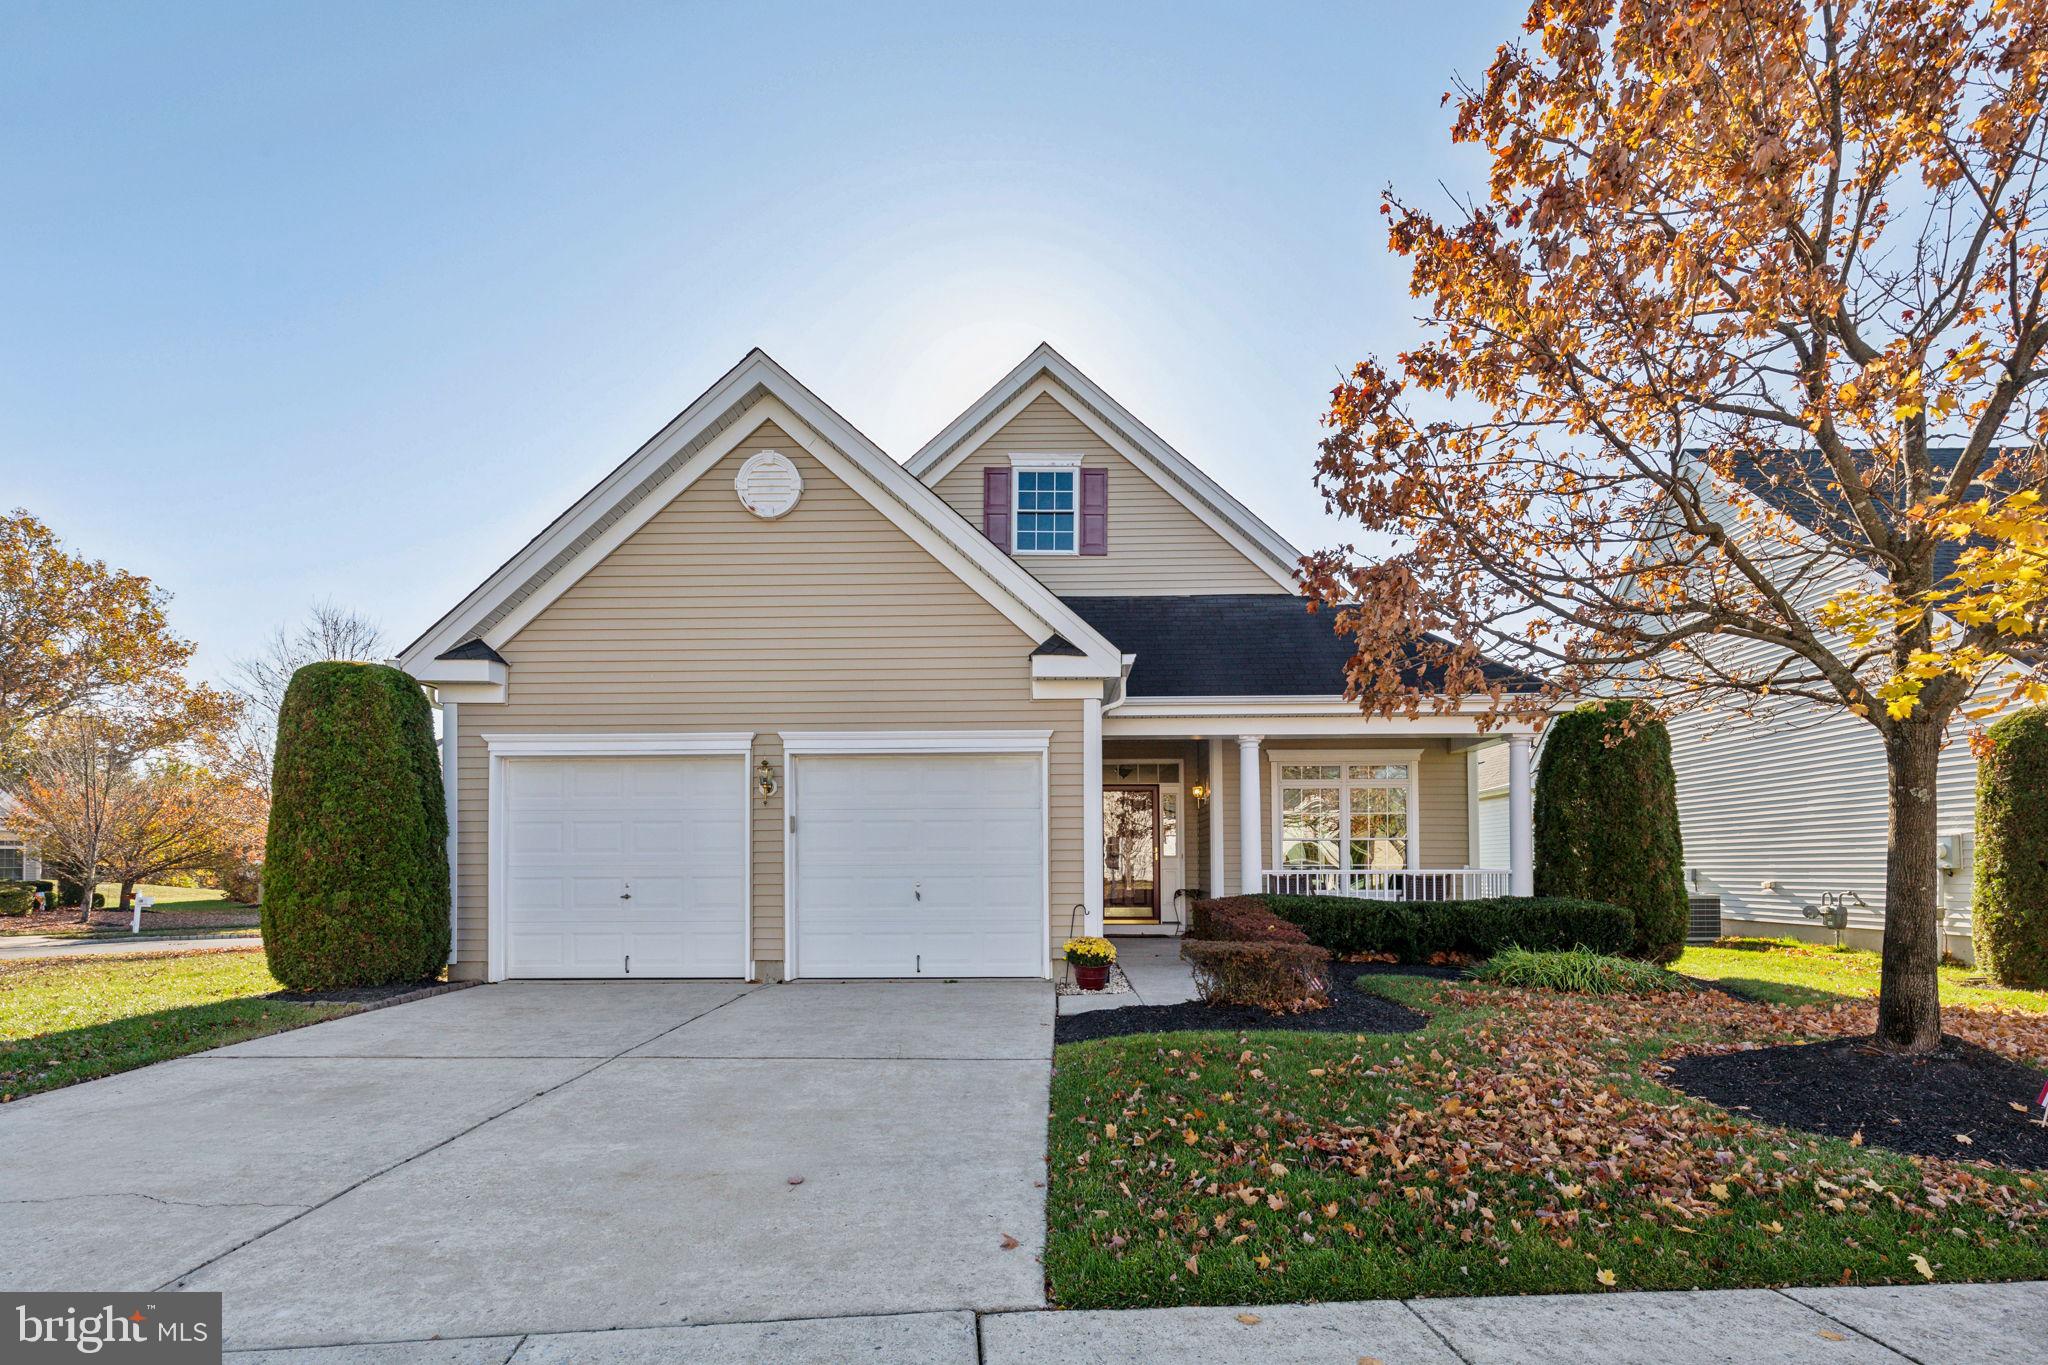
1157, 545
767, 703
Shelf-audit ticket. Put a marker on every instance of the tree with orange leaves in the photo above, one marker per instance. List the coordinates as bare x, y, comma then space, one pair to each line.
1732, 392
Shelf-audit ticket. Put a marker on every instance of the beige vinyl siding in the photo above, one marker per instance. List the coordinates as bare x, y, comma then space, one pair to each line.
1440, 808
1156, 545
709, 618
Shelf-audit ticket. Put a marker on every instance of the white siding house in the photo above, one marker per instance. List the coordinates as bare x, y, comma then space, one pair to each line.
1780, 810
17, 860
1785, 805
1489, 781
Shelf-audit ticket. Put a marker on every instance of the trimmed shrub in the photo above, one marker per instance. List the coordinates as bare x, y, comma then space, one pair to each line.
69, 893
1284, 977
1607, 822
16, 898
1415, 931
2009, 913
1579, 973
241, 881
355, 877
1242, 919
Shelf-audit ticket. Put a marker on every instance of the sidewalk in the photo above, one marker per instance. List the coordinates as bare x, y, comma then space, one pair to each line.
1929, 1324
1155, 970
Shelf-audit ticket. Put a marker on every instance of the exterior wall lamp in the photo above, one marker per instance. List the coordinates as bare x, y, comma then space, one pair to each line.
765, 781
1200, 791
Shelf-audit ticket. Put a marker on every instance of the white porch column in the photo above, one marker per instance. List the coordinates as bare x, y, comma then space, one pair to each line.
1091, 814
1521, 819
1251, 860
450, 776
1218, 884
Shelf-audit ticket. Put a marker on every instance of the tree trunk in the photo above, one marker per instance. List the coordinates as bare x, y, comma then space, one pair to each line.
1909, 1000
127, 893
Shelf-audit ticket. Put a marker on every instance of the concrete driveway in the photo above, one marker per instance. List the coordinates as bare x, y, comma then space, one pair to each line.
550, 1157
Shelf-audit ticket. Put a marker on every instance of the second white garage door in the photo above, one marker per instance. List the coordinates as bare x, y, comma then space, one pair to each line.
920, 865
625, 867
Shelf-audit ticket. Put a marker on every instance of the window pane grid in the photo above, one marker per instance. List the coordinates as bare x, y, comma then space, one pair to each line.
1045, 510
1367, 801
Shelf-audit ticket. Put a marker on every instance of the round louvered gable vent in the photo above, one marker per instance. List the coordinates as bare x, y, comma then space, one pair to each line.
768, 484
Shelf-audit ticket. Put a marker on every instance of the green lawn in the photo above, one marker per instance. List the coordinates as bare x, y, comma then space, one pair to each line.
1806, 973
70, 1019
1515, 1145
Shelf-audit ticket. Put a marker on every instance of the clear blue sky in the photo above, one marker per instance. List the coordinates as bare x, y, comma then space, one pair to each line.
349, 300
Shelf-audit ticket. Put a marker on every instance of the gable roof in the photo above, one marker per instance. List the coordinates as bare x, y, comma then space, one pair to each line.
1236, 645
753, 391
1047, 371
1811, 495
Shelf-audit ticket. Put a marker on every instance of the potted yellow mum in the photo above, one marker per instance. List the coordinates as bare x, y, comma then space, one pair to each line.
1090, 959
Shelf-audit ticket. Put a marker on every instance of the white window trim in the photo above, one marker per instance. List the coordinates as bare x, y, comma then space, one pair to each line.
501, 746
1022, 463
1277, 758
800, 744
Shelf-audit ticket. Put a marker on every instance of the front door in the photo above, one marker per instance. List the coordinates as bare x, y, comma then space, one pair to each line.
1130, 854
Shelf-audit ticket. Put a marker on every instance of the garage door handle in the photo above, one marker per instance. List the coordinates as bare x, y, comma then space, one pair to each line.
626, 896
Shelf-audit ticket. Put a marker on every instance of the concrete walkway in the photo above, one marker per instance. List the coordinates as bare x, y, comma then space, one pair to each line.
1155, 970
1930, 1324
48, 945
561, 1157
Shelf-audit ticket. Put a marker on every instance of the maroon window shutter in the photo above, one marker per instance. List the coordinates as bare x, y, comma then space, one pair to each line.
995, 506
1094, 511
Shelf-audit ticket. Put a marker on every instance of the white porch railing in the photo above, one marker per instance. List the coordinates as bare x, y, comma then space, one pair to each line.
1389, 884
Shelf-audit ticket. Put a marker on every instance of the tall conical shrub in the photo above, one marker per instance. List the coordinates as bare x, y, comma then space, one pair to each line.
2009, 909
355, 874
1607, 821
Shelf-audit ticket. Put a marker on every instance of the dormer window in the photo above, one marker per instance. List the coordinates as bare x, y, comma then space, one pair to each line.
1047, 503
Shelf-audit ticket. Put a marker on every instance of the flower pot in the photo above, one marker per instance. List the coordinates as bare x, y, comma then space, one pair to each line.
1091, 978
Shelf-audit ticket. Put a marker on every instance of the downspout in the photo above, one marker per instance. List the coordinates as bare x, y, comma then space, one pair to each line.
451, 747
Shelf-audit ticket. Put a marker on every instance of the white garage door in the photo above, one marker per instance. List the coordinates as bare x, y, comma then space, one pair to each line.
625, 867
920, 865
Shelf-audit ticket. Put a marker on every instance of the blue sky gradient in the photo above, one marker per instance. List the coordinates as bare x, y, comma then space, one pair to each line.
348, 301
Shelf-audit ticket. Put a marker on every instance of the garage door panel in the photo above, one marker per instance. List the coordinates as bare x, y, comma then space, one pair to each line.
588, 838
920, 864
611, 861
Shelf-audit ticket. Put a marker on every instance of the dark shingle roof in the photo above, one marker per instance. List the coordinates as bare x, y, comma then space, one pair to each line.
473, 649
1227, 644
1802, 485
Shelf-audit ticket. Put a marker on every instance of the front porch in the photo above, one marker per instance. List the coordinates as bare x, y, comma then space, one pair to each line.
1317, 799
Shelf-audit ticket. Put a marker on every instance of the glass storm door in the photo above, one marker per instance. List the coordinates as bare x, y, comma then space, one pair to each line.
1130, 854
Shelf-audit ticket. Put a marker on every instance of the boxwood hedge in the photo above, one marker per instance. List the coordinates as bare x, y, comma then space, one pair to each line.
1414, 930
355, 876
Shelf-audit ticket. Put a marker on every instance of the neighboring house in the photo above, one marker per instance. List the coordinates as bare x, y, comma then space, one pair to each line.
766, 702
1489, 767
1787, 806
17, 860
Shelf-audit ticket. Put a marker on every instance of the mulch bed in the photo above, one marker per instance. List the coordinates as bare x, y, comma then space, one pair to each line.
1352, 1010
391, 993
1915, 1105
